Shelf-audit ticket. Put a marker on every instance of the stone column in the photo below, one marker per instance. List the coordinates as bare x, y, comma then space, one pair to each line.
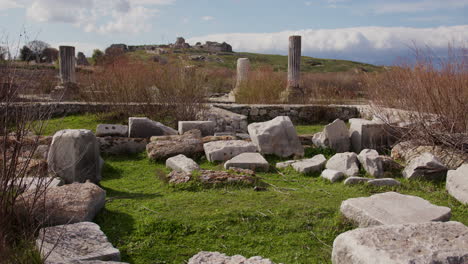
293, 91
67, 64
243, 69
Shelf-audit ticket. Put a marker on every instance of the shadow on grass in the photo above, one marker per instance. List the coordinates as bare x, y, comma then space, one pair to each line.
117, 226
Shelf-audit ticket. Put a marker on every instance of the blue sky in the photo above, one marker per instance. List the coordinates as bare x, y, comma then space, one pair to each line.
376, 31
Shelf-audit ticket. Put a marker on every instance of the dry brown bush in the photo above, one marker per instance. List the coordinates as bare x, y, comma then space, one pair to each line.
263, 86
168, 93
433, 90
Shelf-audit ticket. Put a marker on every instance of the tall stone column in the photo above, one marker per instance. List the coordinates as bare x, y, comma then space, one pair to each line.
67, 64
243, 69
293, 91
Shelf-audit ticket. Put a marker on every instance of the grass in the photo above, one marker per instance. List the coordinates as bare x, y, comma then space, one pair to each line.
309, 129
294, 221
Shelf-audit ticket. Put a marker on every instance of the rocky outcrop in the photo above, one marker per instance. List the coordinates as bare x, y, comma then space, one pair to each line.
234, 175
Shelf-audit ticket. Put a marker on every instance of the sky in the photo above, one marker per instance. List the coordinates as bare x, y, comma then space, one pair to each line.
378, 31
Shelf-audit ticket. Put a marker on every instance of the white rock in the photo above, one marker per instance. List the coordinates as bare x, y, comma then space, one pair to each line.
457, 183
426, 166
334, 136
314, 164
219, 258
108, 130
356, 180
251, 161
75, 242
277, 136
227, 149
392, 208
74, 156
332, 175
345, 162
206, 127
30, 183
143, 127
371, 162
285, 164
368, 134
434, 242
384, 182
182, 163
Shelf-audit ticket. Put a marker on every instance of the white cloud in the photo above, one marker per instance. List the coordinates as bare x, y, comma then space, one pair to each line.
418, 6
8, 4
368, 44
152, 2
208, 18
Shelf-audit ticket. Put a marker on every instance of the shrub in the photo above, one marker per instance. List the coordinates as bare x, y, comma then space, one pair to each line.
264, 86
433, 90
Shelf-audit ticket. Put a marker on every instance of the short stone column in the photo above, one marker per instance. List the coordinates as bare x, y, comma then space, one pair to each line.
293, 91
243, 69
68, 88
67, 64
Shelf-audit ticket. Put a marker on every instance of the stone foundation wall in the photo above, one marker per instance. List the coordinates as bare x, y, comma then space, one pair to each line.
299, 114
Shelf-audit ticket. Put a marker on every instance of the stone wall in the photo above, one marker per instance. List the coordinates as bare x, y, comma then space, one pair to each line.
299, 114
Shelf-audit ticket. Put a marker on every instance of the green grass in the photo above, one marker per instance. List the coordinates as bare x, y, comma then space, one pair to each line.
294, 221
309, 129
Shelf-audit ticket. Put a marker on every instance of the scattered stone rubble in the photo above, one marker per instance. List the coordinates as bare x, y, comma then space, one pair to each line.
219, 258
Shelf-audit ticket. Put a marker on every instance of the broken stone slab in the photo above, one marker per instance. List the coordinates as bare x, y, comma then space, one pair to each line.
75, 242
206, 127
392, 208
384, 182
71, 203
314, 164
217, 138
243, 136
332, 175
234, 175
334, 136
109, 130
189, 144
30, 183
426, 167
345, 162
228, 149
356, 180
371, 162
250, 161
277, 136
74, 156
182, 163
143, 127
285, 164
457, 183
122, 145
219, 258
433, 242
367, 134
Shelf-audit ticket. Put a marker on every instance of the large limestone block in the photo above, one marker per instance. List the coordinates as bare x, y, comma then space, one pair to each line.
219, 258
228, 149
332, 175
206, 127
345, 162
277, 136
314, 164
392, 208
74, 156
250, 161
384, 182
334, 136
182, 163
75, 242
356, 180
426, 167
143, 127
71, 203
122, 145
457, 183
369, 134
371, 162
108, 130
189, 144
422, 243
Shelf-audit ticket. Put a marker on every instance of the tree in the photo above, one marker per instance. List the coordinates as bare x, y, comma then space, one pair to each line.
49, 55
3, 53
26, 54
33, 50
97, 56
